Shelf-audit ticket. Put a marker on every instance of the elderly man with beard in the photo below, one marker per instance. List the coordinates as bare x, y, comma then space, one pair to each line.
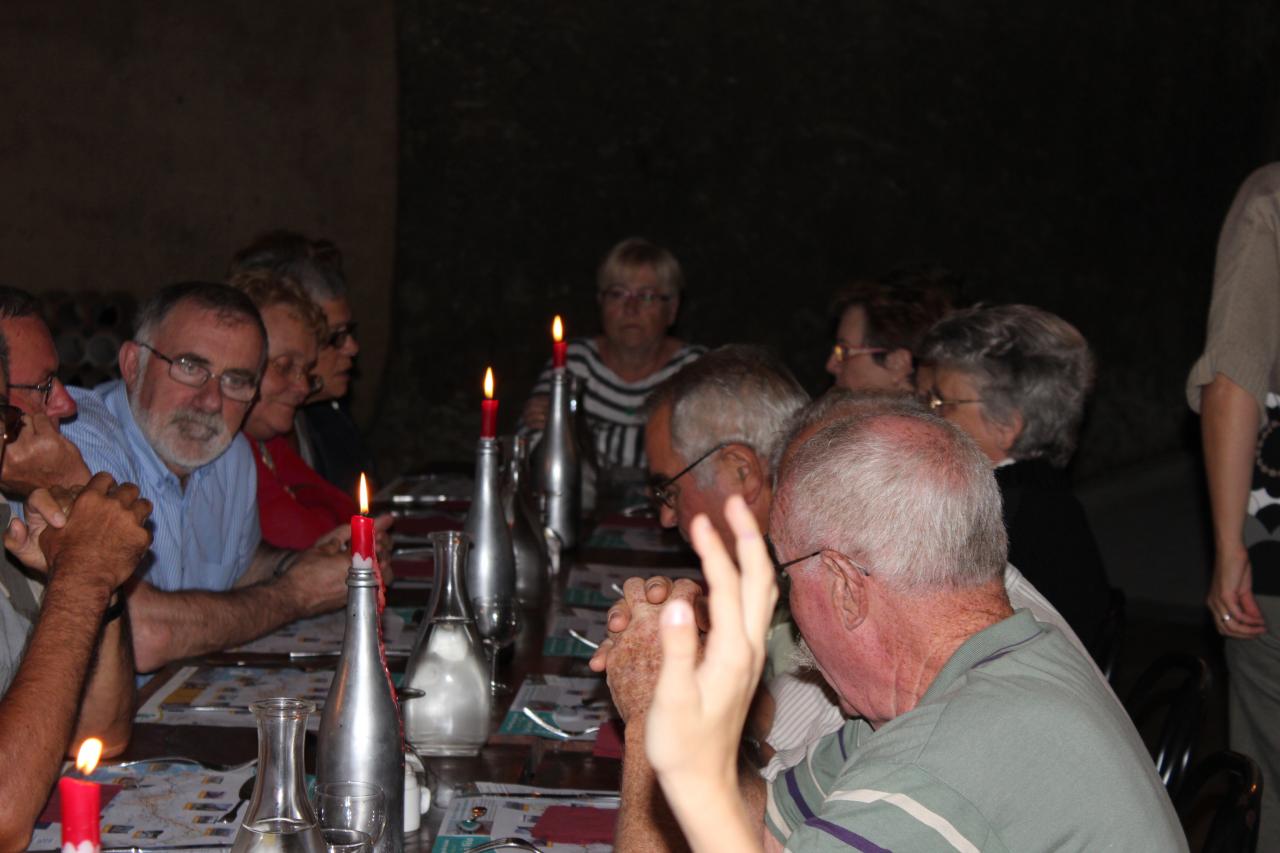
172, 426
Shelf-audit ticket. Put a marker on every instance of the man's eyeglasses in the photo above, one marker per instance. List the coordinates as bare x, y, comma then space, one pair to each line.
840, 352
294, 372
238, 385
781, 568
340, 335
619, 296
661, 491
935, 401
44, 389
11, 419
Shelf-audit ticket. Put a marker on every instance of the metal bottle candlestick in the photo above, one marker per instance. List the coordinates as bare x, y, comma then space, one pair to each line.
491, 567
527, 540
360, 738
558, 465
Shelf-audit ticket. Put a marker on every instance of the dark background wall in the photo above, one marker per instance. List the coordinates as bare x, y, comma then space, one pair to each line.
1079, 157
143, 143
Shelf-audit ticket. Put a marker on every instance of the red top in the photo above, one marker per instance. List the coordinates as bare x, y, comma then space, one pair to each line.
296, 506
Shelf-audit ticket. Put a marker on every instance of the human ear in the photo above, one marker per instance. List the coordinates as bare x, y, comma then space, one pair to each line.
128, 359
746, 468
899, 363
1007, 433
847, 588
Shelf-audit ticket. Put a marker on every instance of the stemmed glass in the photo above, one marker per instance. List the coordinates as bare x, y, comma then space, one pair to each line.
497, 622
350, 813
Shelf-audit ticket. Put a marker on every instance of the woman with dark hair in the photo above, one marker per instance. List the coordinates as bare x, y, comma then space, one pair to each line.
1015, 379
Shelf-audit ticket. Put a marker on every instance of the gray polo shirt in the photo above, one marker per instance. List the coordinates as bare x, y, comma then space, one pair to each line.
1016, 746
18, 609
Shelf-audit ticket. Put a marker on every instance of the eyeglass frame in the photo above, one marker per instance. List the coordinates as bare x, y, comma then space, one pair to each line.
658, 491
299, 371
781, 568
620, 295
339, 336
45, 388
222, 389
934, 401
842, 352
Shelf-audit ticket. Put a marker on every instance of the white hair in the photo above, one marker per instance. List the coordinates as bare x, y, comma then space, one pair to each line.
900, 491
733, 394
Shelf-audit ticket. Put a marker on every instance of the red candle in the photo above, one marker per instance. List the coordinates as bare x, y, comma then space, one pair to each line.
488, 408
81, 809
559, 346
362, 547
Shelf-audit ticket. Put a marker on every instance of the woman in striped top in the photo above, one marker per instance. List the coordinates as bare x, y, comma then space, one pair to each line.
638, 288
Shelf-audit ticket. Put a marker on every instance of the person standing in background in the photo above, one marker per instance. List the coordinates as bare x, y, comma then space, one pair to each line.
1235, 386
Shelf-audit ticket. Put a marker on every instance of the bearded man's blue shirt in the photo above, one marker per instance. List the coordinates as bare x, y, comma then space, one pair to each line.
204, 536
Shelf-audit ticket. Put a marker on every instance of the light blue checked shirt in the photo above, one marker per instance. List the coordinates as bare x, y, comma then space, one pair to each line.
203, 537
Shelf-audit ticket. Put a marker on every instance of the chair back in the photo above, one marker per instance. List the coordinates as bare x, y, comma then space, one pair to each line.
1167, 706
1233, 827
1106, 646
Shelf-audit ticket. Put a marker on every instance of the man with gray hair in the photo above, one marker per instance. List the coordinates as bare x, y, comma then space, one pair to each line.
974, 727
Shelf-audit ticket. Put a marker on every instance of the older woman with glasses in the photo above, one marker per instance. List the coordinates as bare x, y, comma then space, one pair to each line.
1015, 379
296, 506
638, 289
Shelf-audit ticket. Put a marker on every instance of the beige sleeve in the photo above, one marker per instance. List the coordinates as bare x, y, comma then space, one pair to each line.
1244, 316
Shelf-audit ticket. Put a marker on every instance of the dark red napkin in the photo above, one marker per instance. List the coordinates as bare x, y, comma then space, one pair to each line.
576, 825
609, 740
53, 809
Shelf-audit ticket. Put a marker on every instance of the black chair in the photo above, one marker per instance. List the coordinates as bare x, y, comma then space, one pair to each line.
1234, 827
1167, 705
1106, 646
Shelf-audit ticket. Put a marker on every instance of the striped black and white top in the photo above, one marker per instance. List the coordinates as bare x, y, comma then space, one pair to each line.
614, 407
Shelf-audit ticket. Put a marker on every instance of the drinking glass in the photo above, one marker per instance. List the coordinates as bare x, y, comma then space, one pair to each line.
497, 621
346, 841
353, 806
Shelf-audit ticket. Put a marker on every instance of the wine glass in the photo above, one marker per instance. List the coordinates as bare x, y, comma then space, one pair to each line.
497, 621
344, 807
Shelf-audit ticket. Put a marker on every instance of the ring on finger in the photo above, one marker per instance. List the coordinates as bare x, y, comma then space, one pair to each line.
1226, 617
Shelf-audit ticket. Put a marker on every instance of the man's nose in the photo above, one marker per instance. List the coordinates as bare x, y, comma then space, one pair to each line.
208, 397
60, 404
833, 366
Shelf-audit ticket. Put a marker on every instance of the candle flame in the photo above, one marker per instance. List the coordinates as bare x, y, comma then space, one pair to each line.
364, 495
87, 757
557, 329
488, 383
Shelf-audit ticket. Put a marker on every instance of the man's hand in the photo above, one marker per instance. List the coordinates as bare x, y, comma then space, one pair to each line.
44, 508
535, 412
40, 458
105, 535
1230, 599
318, 579
695, 721
657, 590
630, 656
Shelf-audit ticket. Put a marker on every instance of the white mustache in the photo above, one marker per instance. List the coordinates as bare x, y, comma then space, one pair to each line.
210, 425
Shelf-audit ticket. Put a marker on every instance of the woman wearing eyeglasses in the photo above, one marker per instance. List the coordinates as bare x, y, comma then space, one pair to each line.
638, 289
1015, 378
296, 506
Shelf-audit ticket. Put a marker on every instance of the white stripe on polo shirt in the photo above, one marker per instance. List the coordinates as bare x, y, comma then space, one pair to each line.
926, 816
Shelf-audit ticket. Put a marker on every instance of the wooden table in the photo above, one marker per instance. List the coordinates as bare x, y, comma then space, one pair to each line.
534, 761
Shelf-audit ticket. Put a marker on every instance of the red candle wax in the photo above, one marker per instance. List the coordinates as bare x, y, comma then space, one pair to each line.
80, 815
362, 541
488, 408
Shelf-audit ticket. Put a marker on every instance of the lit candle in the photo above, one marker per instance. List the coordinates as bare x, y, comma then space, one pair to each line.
81, 801
364, 551
488, 408
559, 346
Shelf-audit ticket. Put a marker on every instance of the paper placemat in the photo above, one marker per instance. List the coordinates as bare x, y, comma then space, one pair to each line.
504, 811
590, 623
161, 804
220, 695
571, 704
592, 585
322, 635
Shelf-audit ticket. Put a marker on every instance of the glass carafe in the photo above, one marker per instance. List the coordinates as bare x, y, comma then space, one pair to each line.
447, 712
279, 818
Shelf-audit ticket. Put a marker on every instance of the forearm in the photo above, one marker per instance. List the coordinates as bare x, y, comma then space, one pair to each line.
1229, 430
646, 823
263, 565
38, 712
169, 626
106, 711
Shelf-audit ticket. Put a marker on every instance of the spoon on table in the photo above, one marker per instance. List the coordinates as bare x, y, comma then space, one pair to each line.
246, 791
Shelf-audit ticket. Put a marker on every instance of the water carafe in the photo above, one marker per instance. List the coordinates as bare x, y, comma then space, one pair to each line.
279, 818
